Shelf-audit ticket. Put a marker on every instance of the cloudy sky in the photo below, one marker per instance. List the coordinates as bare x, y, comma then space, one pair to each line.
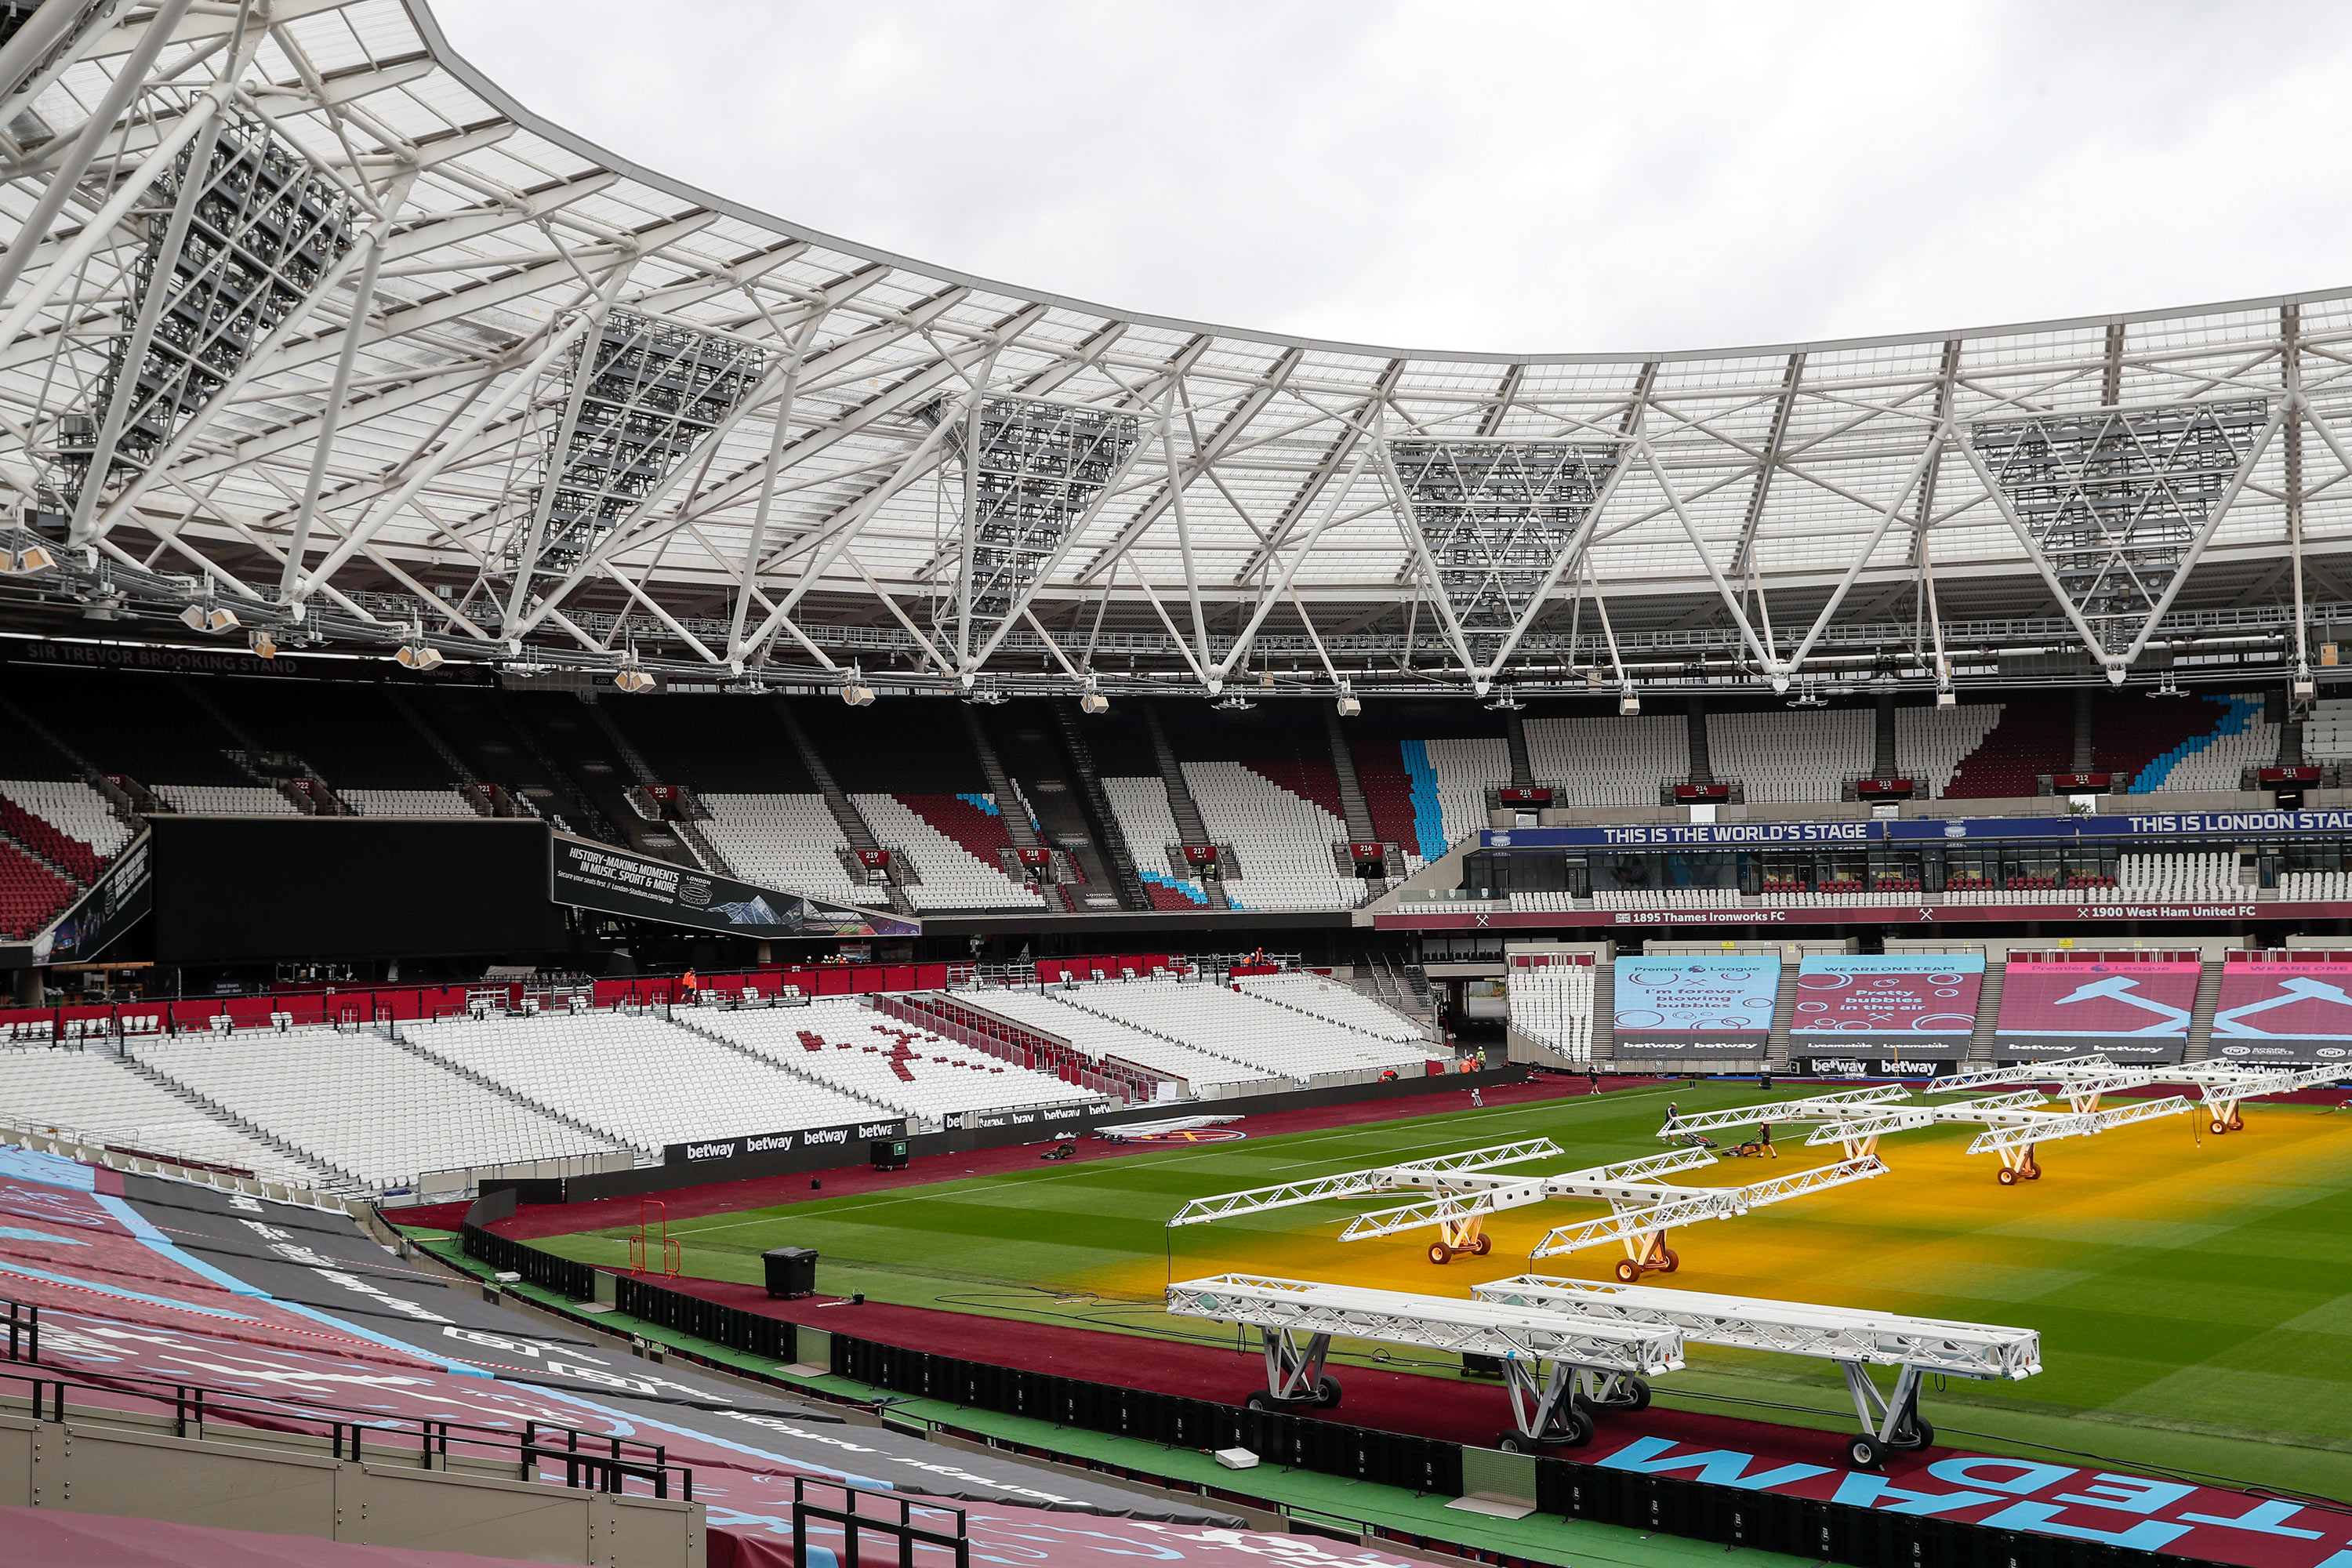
1518, 177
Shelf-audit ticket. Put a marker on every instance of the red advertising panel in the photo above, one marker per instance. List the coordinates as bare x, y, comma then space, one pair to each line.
2126, 1011
2290, 1013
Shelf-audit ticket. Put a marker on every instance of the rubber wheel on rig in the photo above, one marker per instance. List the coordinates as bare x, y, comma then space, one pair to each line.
2220, 1127
2007, 1178
1635, 1398
1628, 1270
1669, 1260
1580, 1428
1440, 1253
1513, 1443
1921, 1436
2237, 1122
2033, 1172
1866, 1452
1258, 1400
1327, 1391
1483, 1245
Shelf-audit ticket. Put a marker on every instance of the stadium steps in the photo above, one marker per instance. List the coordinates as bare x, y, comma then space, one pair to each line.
248, 749
1702, 767
1523, 767
1180, 803
1604, 1015
1103, 821
441, 748
1013, 807
1784, 1016
778, 1064
335, 1177
1987, 1011
492, 1086
845, 815
705, 854
1354, 809
2200, 1015
1884, 763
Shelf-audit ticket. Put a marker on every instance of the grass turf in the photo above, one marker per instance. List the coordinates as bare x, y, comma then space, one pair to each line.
2193, 1293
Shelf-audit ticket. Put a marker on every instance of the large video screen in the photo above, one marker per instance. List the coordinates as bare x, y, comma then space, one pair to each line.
1696, 1004
1886, 1011
240, 889
2298, 1014
2128, 1012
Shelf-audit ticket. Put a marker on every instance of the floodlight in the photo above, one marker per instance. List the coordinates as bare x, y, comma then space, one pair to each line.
32, 558
1349, 705
195, 617
1947, 698
1094, 702
222, 621
416, 656
1628, 706
263, 645
857, 696
632, 678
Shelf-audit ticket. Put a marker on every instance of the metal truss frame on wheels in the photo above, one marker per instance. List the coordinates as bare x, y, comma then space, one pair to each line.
351, 473
1856, 1340
1555, 1362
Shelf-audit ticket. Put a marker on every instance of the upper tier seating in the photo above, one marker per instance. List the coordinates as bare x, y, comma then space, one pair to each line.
2206, 876
447, 801
1460, 772
1282, 840
1552, 1004
952, 876
1603, 761
30, 893
1929, 742
74, 809
360, 1103
1227, 1023
235, 800
102, 1100
878, 1058
2241, 739
1140, 806
1791, 756
789, 842
1097, 1037
646, 1082
2315, 887
1337, 1004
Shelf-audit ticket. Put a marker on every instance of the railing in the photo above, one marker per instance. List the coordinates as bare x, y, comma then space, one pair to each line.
605, 1464
24, 1325
854, 1524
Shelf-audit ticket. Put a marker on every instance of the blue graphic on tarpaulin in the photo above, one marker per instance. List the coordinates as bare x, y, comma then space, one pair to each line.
1696, 1003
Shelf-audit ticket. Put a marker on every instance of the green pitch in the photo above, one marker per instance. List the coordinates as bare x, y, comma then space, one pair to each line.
2193, 1292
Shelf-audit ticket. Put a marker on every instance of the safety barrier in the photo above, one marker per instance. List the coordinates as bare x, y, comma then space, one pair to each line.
572, 1281
738, 1330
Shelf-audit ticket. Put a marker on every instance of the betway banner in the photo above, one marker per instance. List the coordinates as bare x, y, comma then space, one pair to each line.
1696, 1004
1896, 1008
845, 1138
2124, 1012
2286, 1014
591, 876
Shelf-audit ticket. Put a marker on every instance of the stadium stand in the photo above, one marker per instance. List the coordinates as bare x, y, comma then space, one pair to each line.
1552, 1004
2216, 759
952, 876
1455, 774
30, 893
1930, 741
788, 841
1787, 757
350, 734
102, 1099
637, 1078
1140, 807
861, 1052
240, 800
1608, 761
1097, 1037
390, 1114
447, 801
1282, 840
2033, 736
1335, 1003
1243, 1029
2327, 732
138, 723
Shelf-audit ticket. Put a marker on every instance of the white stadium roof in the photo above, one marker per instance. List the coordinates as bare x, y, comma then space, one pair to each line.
950, 479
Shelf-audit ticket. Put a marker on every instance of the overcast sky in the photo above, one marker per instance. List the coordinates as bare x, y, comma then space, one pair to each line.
1516, 177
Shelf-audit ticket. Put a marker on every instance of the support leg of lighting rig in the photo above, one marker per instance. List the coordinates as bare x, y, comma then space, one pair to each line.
1464, 1235
1293, 1373
1544, 1403
1891, 1421
2018, 1164
1647, 1253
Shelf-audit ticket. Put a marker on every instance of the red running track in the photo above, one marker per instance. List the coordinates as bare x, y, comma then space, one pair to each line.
770, 1192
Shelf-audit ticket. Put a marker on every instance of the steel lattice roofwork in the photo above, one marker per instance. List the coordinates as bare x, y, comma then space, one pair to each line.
307, 328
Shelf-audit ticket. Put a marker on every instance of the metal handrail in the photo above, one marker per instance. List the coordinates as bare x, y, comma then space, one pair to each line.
908, 1533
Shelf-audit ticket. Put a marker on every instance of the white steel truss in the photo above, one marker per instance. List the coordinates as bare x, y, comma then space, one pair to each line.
1856, 1340
1549, 1357
347, 452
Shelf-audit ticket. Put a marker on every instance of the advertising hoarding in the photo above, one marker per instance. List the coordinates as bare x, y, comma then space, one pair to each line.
2285, 1014
1888, 1011
1695, 1005
2127, 1012
591, 876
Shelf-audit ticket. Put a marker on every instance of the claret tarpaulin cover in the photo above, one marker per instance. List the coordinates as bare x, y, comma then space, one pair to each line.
1883, 1014
2126, 1011
2294, 1013
1695, 1005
